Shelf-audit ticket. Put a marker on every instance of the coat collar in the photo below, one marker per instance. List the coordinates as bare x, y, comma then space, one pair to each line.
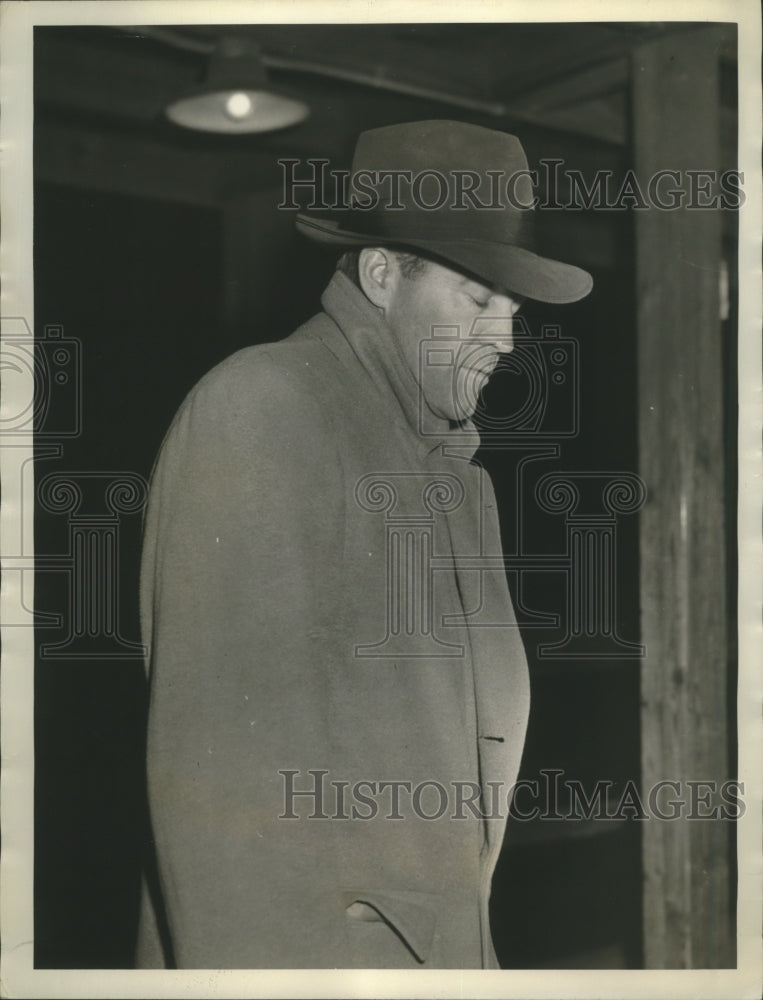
380, 355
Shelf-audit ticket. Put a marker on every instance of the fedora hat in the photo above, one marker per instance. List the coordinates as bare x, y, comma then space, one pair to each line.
457, 192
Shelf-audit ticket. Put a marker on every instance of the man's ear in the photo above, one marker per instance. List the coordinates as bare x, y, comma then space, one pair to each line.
377, 274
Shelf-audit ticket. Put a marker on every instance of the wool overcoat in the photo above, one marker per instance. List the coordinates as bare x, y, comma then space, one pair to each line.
338, 690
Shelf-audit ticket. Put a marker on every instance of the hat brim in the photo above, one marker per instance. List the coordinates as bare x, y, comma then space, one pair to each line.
510, 267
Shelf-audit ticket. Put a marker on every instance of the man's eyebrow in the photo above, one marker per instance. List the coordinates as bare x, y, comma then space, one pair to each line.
472, 282
467, 283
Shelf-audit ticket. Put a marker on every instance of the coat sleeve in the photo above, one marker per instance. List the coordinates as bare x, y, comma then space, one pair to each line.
238, 592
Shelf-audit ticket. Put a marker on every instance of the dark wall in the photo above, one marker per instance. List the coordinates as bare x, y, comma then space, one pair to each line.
136, 284
567, 893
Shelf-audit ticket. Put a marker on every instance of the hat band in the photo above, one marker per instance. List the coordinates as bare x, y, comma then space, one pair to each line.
508, 227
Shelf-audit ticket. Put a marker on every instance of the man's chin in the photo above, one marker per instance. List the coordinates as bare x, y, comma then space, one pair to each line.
458, 402
455, 415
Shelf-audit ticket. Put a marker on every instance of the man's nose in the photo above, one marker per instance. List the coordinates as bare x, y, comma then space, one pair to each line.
500, 324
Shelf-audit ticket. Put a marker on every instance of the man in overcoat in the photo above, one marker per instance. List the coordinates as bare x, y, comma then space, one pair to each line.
338, 689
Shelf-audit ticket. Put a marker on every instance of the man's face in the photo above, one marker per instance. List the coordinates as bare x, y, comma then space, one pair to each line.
463, 326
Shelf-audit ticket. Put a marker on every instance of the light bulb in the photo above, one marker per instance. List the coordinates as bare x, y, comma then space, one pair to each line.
238, 106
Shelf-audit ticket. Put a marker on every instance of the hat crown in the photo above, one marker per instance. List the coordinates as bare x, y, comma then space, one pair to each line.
458, 182
438, 145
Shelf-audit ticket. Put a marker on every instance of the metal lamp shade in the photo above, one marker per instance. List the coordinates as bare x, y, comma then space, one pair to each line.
235, 96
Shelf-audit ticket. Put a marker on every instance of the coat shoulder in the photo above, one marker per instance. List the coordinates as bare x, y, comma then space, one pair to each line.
264, 388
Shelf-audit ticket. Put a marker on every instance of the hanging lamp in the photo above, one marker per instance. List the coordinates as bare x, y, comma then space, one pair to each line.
236, 96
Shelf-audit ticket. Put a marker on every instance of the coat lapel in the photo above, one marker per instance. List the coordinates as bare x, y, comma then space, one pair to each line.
501, 686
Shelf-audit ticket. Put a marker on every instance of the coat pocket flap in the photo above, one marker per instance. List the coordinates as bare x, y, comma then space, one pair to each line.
412, 915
